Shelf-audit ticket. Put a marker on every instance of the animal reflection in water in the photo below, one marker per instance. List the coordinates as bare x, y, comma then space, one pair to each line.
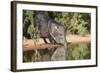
56, 34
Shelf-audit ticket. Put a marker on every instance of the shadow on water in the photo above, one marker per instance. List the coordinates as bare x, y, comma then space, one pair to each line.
78, 51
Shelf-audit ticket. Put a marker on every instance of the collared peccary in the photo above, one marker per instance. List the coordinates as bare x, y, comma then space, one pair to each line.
52, 30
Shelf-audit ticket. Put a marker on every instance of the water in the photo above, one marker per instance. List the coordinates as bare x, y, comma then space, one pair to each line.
78, 51
74, 51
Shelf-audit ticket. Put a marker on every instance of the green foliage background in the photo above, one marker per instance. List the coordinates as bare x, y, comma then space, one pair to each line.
74, 23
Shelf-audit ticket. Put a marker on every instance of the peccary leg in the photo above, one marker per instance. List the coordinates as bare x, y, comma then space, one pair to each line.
45, 40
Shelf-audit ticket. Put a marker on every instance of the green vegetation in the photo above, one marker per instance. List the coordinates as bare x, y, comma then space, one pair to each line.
75, 23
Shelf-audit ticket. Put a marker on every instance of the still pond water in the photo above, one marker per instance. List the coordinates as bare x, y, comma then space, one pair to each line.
74, 51
78, 51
